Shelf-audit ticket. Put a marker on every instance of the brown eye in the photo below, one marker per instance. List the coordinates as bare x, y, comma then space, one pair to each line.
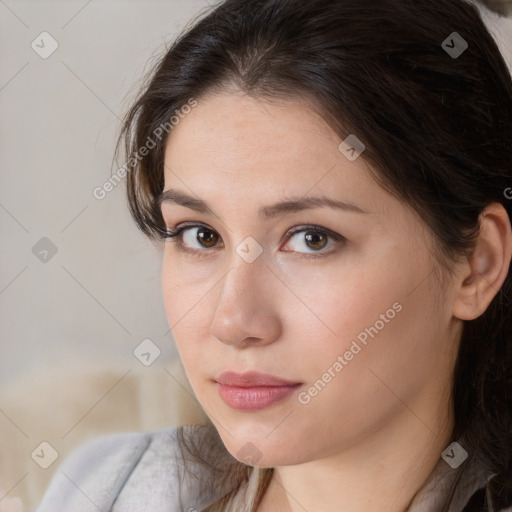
309, 240
206, 237
315, 239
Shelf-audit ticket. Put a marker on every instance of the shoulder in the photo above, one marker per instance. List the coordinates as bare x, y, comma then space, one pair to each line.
129, 471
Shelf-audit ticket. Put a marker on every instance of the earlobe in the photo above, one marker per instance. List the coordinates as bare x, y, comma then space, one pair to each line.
487, 267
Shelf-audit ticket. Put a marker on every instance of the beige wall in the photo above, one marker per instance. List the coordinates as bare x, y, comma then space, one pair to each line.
68, 326
100, 294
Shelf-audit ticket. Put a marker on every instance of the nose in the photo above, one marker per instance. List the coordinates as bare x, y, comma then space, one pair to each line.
246, 313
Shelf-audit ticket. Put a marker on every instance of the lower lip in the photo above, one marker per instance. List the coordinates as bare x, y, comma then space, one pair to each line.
251, 399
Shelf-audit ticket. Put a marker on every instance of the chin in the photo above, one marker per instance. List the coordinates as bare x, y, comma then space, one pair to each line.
259, 450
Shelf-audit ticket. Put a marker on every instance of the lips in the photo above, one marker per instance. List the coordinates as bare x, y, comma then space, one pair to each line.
252, 391
252, 379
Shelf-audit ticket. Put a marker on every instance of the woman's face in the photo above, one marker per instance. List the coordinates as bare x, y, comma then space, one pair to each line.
356, 317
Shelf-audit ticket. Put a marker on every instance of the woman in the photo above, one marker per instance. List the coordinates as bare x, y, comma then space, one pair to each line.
331, 181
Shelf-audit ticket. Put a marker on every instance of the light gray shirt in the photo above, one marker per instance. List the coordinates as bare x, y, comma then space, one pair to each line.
143, 472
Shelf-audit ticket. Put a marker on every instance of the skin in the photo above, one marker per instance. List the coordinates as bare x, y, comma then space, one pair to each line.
375, 432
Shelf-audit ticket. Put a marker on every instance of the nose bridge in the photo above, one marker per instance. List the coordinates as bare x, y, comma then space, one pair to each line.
241, 287
246, 270
244, 309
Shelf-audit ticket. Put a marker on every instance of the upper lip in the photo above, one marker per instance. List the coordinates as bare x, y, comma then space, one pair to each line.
251, 379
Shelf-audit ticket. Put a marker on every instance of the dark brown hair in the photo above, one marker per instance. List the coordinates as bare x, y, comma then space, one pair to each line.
437, 129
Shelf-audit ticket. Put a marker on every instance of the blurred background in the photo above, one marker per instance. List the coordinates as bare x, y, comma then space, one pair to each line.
84, 342
79, 285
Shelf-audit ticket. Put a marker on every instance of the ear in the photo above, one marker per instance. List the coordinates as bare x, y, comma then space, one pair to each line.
480, 279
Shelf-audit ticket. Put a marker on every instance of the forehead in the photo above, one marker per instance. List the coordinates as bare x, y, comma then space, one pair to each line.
231, 145
240, 126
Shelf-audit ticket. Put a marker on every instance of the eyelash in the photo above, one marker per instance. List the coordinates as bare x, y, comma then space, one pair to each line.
174, 235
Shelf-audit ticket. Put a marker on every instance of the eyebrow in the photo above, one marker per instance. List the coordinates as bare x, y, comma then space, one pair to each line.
266, 212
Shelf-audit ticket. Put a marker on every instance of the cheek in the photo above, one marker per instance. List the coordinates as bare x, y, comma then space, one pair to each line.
386, 350
184, 289
380, 316
186, 302
332, 307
